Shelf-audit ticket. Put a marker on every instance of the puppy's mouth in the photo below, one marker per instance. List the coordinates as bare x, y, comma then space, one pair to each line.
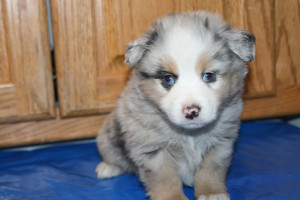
199, 122
191, 125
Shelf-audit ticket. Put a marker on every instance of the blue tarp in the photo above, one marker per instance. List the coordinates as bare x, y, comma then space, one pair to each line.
266, 165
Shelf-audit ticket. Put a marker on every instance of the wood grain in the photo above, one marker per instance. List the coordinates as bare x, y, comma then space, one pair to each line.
112, 73
234, 13
8, 103
38, 132
286, 102
28, 59
75, 54
287, 19
259, 19
4, 67
85, 57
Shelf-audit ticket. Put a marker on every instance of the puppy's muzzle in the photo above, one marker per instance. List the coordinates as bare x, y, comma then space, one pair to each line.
191, 112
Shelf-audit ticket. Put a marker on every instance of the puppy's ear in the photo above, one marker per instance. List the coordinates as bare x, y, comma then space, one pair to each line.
242, 43
137, 49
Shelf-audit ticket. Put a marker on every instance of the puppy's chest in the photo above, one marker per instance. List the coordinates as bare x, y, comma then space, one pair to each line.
187, 156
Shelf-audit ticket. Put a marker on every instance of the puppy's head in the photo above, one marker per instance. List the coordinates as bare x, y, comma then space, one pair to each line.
190, 65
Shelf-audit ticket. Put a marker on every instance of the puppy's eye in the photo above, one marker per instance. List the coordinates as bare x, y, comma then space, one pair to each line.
209, 77
168, 80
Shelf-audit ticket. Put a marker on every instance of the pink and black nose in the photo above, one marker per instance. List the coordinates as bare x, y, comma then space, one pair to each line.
191, 112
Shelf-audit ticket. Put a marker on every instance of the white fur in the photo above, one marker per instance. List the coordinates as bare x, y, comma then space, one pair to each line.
190, 88
192, 156
105, 170
214, 197
186, 166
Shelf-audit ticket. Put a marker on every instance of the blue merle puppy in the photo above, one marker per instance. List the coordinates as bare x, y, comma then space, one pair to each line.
178, 117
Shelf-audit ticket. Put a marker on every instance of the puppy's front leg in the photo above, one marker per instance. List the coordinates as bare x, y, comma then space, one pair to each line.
210, 177
160, 177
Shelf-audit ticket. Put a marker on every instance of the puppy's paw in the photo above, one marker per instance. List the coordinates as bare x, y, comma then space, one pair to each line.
105, 170
222, 196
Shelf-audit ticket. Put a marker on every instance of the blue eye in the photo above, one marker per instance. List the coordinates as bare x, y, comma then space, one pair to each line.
168, 80
208, 77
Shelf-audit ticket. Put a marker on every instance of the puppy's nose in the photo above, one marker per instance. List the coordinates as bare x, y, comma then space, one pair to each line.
191, 112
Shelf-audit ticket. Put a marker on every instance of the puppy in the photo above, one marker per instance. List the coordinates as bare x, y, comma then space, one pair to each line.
178, 117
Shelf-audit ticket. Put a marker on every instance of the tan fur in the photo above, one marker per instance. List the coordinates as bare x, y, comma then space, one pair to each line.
210, 178
203, 63
170, 65
151, 90
161, 179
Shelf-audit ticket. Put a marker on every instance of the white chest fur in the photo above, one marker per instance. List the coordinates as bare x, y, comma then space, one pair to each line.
187, 156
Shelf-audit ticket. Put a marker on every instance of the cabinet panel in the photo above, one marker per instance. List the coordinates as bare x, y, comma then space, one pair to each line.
4, 68
287, 78
8, 101
89, 74
45, 131
259, 19
287, 19
26, 82
75, 54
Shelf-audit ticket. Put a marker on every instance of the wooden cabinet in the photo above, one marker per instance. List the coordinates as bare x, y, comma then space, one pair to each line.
89, 45
26, 87
285, 98
90, 68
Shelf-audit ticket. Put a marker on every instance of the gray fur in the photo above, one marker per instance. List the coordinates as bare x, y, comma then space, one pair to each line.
242, 43
138, 133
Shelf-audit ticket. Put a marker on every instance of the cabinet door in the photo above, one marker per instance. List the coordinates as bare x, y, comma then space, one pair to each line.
26, 89
89, 76
286, 99
90, 38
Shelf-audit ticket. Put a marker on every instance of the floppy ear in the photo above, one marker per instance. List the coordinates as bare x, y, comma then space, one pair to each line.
242, 43
137, 49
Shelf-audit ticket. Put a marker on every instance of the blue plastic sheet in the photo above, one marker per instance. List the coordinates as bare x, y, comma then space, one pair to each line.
265, 165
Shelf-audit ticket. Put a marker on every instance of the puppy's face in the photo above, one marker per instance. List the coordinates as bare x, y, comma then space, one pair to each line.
191, 66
